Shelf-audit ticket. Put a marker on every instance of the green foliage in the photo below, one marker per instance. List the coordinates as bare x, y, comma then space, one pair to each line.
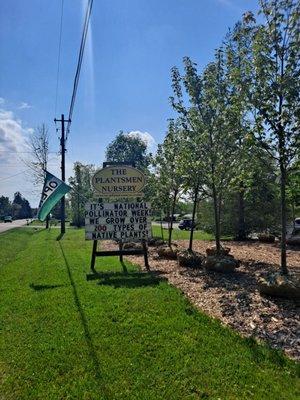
82, 191
209, 143
21, 207
127, 148
168, 172
5, 206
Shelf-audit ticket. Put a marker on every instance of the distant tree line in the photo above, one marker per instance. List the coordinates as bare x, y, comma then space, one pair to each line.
19, 208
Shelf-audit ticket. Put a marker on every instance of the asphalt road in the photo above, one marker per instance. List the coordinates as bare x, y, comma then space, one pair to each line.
6, 226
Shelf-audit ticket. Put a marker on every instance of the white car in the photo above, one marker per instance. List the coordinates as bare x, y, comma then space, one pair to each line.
297, 223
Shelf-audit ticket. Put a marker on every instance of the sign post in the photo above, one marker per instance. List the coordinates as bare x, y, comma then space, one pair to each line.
126, 219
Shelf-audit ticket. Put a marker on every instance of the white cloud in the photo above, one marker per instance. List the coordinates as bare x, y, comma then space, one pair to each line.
146, 138
24, 106
2, 100
12, 136
13, 144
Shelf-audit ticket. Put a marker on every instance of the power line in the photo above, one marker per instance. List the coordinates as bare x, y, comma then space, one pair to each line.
79, 63
59, 51
23, 152
25, 170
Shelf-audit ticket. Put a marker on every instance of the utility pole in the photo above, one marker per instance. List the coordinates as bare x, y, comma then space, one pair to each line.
63, 170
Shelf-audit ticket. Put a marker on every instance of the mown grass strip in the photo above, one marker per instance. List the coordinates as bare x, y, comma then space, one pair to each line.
121, 337
184, 235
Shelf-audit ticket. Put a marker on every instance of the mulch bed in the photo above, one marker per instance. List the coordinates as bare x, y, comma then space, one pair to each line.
233, 298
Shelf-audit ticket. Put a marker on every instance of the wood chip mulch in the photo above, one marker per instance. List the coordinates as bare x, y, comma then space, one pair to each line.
234, 298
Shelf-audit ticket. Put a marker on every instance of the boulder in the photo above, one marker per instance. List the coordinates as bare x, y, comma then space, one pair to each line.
132, 245
266, 238
166, 252
212, 251
189, 259
221, 263
278, 285
155, 241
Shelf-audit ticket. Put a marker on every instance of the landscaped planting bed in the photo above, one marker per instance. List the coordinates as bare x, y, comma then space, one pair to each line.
234, 298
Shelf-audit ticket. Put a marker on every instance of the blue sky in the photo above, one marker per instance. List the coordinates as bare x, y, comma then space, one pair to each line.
125, 82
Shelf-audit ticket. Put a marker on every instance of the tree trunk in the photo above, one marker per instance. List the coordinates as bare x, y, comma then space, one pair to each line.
217, 220
171, 218
293, 214
161, 227
284, 269
241, 234
193, 218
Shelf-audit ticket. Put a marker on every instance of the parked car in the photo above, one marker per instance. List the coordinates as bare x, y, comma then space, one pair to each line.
297, 223
186, 224
8, 218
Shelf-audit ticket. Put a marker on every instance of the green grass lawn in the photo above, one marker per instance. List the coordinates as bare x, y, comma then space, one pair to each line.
179, 234
53, 222
121, 337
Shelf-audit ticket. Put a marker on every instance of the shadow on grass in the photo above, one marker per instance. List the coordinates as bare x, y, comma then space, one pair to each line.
44, 287
60, 236
129, 280
87, 334
260, 353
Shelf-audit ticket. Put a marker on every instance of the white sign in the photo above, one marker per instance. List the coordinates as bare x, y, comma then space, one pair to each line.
118, 221
119, 181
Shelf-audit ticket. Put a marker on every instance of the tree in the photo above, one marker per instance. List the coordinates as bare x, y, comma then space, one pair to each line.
204, 120
81, 183
168, 170
21, 207
128, 148
236, 47
39, 145
5, 206
273, 86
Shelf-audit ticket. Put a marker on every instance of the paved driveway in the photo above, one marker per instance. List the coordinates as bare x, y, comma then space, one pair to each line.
6, 226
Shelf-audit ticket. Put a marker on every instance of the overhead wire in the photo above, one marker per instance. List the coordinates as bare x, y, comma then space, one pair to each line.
79, 64
25, 170
59, 52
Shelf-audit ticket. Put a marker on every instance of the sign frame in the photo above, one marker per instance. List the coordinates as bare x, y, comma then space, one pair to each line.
114, 181
121, 252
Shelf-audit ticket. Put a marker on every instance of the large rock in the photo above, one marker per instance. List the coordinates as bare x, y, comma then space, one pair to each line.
266, 238
221, 263
278, 285
212, 251
169, 253
189, 259
132, 245
156, 241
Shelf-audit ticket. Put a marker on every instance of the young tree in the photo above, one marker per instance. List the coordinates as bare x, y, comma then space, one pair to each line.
81, 183
204, 118
236, 48
273, 87
168, 170
39, 145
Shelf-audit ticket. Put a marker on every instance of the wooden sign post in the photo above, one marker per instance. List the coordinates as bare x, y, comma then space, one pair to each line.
123, 220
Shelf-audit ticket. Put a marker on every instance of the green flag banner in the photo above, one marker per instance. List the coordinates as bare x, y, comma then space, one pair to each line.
54, 189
